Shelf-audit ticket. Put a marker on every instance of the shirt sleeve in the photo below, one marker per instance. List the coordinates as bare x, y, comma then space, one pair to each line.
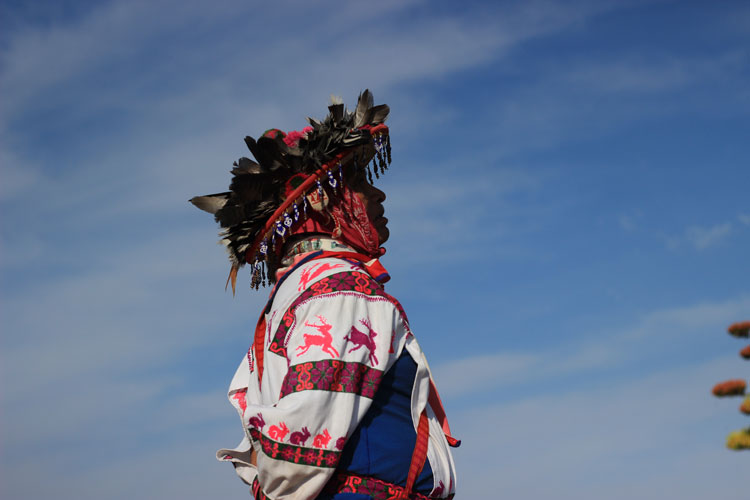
337, 350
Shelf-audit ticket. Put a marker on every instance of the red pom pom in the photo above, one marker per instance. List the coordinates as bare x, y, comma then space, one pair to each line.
293, 137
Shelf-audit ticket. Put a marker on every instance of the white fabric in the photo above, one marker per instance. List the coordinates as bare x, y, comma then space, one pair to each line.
328, 320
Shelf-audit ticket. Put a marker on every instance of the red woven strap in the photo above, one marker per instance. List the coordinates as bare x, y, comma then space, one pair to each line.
419, 455
259, 344
437, 407
257, 492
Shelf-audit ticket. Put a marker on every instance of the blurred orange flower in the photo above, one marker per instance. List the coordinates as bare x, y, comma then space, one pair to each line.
734, 387
745, 353
741, 329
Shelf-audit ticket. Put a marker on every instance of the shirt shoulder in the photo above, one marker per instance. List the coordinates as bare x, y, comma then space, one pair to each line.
333, 288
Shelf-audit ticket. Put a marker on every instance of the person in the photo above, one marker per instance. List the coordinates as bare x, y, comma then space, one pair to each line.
335, 394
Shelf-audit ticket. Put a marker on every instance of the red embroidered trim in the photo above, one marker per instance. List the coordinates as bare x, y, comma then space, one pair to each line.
345, 482
296, 454
419, 455
332, 375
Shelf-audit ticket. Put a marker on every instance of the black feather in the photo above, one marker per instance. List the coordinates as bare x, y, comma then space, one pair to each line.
337, 112
364, 103
210, 203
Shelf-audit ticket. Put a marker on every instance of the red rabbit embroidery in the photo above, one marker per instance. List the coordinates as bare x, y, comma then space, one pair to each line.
278, 432
313, 272
257, 422
299, 437
323, 340
322, 439
362, 339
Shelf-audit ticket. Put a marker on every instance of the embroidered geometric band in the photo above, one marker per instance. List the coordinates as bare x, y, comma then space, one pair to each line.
375, 488
296, 454
334, 376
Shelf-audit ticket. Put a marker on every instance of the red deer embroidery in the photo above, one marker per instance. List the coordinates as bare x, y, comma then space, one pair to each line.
323, 340
340, 442
240, 397
257, 422
313, 272
322, 439
362, 339
299, 437
278, 432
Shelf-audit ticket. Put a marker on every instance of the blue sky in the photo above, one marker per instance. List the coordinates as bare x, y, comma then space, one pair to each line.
569, 232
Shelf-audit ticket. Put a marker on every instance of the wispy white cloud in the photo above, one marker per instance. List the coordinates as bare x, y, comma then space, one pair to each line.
596, 354
653, 73
744, 219
704, 237
611, 441
627, 222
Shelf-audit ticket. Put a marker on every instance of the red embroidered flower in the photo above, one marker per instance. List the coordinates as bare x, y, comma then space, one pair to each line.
311, 457
287, 454
350, 377
266, 445
370, 383
290, 381
323, 374
331, 459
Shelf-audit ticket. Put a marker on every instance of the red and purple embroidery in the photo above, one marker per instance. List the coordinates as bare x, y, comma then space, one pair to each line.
322, 439
257, 422
240, 397
296, 454
347, 281
362, 339
340, 443
332, 375
278, 432
300, 437
323, 340
313, 272
374, 488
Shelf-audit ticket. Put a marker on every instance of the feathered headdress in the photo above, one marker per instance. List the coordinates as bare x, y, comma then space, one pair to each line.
294, 172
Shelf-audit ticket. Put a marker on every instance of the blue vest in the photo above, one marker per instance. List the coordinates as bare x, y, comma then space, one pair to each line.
383, 443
